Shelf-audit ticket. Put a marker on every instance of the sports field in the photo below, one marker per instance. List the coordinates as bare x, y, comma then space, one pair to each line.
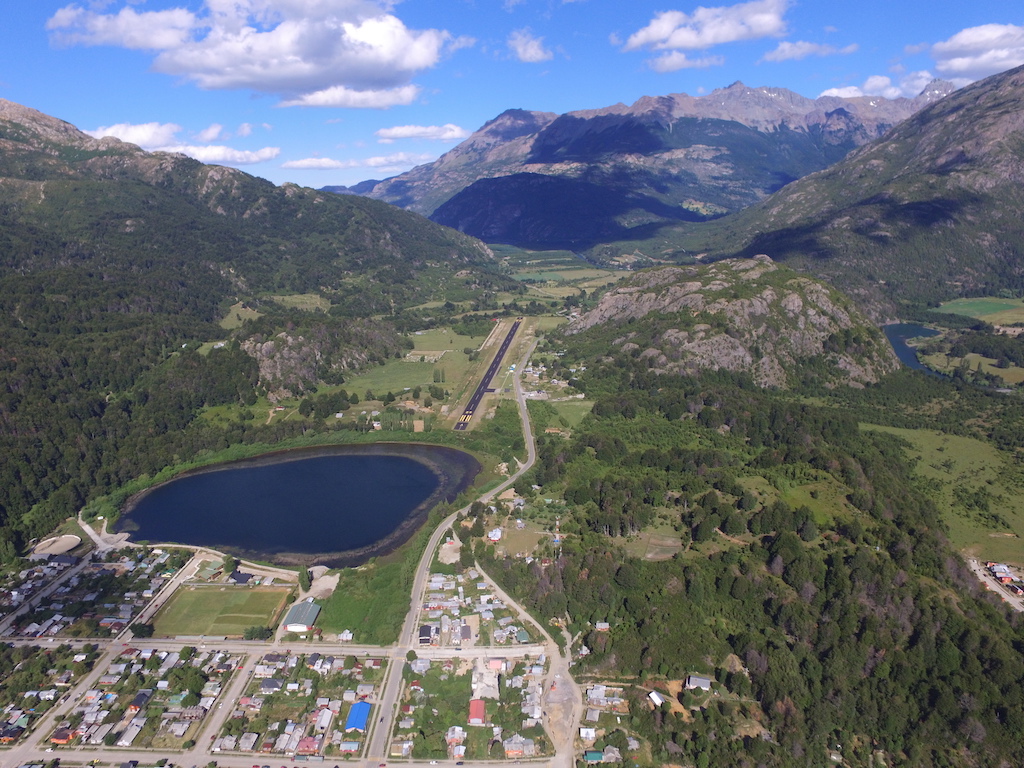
991, 310
219, 610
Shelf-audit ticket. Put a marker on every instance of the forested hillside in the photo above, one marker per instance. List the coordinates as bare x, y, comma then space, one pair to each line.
842, 623
116, 266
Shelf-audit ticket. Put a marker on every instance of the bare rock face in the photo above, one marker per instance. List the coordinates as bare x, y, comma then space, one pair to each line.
742, 315
291, 362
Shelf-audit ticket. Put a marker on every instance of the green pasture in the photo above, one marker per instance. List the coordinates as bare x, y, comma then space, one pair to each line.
944, 363
219, 610
991, 310
236, 315
976, 487
436, 339
309, 302
573, 411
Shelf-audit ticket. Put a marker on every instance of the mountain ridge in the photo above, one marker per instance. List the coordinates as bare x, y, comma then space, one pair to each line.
703, 156
927, 213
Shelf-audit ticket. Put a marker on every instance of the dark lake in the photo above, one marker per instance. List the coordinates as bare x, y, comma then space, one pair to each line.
336, 506
898, 333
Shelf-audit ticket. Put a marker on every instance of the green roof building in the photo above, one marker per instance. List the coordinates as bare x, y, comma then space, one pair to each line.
302, 616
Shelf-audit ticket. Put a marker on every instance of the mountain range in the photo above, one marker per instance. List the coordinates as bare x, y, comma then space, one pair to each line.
538, 179
928, 212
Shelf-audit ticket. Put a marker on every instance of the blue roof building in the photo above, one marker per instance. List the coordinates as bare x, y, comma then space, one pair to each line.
357, 717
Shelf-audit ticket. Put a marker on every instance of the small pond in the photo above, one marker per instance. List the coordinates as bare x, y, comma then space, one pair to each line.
336, 506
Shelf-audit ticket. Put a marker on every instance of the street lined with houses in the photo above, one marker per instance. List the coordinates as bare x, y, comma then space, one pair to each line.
239, 677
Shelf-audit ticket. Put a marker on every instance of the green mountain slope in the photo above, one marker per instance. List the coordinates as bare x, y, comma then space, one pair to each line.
115, 266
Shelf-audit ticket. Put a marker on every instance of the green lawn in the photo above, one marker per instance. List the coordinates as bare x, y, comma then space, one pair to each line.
219, 610
977, 489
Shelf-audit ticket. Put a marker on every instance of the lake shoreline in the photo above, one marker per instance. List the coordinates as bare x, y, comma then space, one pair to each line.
452, 469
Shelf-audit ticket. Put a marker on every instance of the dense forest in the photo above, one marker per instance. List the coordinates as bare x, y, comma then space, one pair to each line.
858, 627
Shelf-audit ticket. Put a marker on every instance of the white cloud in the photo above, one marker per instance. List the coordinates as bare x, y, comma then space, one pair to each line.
145, 135
210, 134
845, 92
528, 48
676, 60
163, 137
909, 86
319, 164
393, 162
340, 96
245, 129
150, 30
707, 27
223, 155
299, 49
977, 52
446, 132
787, 51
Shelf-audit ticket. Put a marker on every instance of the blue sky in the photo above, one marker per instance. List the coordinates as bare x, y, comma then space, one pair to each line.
325, 92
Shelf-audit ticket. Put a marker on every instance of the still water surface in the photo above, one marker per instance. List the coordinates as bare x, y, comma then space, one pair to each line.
899, 333
337, 506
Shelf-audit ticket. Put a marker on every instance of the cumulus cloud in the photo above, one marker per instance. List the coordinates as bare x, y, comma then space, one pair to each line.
707, 27
163, 137
787, 51
149, 30
210, 134
341, 96
145, 135
446, 132
298, 49
909, 86
978, 52
223, 155
676, 60
393, 162
245, 129
528, 48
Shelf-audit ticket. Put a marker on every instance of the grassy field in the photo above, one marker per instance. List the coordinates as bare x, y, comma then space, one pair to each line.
310, 302
977, 489
991, 310
1010, 376
218, 610
371, 601
236, 315
573, 411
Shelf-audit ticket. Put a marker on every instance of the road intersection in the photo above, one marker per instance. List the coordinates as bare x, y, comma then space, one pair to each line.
562, 702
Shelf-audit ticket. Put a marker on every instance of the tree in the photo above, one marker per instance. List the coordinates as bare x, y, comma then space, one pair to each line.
141, 630
305, 582
258, 633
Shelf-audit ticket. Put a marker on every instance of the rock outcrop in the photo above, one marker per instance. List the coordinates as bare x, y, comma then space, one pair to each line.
742, 315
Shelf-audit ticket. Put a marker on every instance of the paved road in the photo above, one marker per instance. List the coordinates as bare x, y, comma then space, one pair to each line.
485, 382
379, 738
565, 706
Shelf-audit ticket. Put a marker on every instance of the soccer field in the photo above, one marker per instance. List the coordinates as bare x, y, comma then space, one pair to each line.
219, 610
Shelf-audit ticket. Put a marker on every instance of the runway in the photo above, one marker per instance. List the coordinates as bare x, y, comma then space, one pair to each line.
485, 382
